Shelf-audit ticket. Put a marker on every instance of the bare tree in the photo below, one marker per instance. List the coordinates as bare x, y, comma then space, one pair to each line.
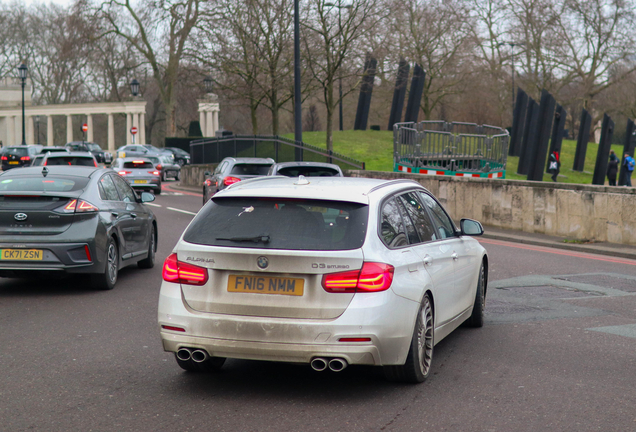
159, 31
330, 39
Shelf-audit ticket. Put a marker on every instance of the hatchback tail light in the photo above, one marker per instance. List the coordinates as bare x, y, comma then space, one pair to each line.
78, 206
154, 173
230, 180
372, 277
25, 158
123, 173
4, 158
176, 271
158, 167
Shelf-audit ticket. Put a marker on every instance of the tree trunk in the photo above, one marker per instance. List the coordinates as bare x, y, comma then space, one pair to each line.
253, 108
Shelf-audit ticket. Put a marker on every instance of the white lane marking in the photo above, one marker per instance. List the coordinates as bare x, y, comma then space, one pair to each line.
181, 211
153, 205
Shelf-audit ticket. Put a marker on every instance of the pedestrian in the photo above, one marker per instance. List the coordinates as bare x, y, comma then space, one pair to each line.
554, 165
612, 168
629, 163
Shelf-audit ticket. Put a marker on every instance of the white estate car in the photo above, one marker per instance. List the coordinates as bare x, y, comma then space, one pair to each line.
326, 271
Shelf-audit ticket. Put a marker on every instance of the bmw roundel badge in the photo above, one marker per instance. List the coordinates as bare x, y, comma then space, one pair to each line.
20, 217
262, 262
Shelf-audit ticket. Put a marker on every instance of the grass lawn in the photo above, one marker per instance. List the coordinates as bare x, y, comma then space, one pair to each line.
375, 148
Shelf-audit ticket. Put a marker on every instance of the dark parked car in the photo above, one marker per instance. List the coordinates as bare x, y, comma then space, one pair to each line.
231, 170
181, 157
101, 156
80, 220
19, 156
140, 173
69, 158
307, 169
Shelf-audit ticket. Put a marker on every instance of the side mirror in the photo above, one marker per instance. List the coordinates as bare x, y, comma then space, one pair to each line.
471, 227
207, 173
147, 197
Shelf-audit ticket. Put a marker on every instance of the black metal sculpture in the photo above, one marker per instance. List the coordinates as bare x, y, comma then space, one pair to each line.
415, 94
628, 147
366, 90
399, 94
582, 140
542, 137
518, 123
604, 146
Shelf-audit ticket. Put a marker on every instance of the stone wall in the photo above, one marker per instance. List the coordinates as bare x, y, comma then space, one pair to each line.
192, 175
581, 212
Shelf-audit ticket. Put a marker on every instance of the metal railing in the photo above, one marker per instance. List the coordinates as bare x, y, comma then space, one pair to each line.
451, 146
213, 150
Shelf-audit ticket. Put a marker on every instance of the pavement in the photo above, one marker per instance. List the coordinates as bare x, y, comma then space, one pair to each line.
536, 239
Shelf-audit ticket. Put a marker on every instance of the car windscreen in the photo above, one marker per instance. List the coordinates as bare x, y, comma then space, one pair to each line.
70, 160
154, 160
280, 223
250, 169
37, 183
18, 151
139, 165
308, 171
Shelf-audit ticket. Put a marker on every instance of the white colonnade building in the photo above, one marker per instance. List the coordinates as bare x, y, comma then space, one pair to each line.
209, 114
11, 117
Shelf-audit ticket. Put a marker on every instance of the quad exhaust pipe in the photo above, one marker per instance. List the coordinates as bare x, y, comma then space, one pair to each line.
320, 364
195, 354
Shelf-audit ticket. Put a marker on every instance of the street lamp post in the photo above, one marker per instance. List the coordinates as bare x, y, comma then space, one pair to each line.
22, 73
134, 87
208, 84
298, 124
340, 7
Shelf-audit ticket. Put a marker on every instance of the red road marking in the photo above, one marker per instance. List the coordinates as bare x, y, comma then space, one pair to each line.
560, 252
169, 189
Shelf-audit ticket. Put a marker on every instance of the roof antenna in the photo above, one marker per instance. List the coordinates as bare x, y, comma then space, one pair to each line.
45, 171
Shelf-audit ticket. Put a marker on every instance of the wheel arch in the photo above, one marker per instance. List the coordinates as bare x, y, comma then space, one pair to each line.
485, 264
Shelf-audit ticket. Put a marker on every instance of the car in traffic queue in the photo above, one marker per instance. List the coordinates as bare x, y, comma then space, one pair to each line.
73, 220
140, 173
69, 159
323, 271
166, 166
101, 156
181, 157
136, 150
307, 169
232, 170
19, 156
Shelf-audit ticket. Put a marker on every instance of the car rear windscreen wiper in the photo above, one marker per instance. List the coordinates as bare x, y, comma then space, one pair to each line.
261, 238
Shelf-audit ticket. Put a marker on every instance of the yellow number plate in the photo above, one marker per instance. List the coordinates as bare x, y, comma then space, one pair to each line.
21, 254
141, 181
14, 163
265, 285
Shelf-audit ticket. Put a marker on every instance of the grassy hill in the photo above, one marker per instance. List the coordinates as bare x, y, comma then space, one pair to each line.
375, 148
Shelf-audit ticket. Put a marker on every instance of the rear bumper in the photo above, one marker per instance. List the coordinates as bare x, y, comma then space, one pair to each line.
62, 257
385, 318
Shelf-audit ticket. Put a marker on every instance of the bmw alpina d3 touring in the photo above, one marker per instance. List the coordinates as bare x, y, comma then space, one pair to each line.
73, 219
325, 271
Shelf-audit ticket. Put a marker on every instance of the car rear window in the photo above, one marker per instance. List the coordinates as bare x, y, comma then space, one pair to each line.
308, 172
38, 183
273, 223
139, 165
18, 151
250, 169
70, 160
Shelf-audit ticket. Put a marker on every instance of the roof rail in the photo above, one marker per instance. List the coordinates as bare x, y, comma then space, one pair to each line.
391, 183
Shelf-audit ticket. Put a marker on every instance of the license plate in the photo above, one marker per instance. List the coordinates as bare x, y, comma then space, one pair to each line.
140, 181
21, 254
13, 162
265, 285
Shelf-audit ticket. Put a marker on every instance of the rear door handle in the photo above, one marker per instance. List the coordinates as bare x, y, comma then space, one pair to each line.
455, 256
427, 260
115, 214
133, 215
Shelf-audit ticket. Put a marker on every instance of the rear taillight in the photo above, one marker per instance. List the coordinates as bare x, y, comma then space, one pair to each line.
78, 206
180, 272
4, 158
154, 173
158, 167
230, 180
208, 182
373, 277
123, 173
25, 158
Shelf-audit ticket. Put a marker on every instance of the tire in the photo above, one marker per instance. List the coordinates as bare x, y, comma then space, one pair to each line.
149, 261
108, 279
163, 176
420, 358
158, 191
477, 317
177, 177
213, 364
